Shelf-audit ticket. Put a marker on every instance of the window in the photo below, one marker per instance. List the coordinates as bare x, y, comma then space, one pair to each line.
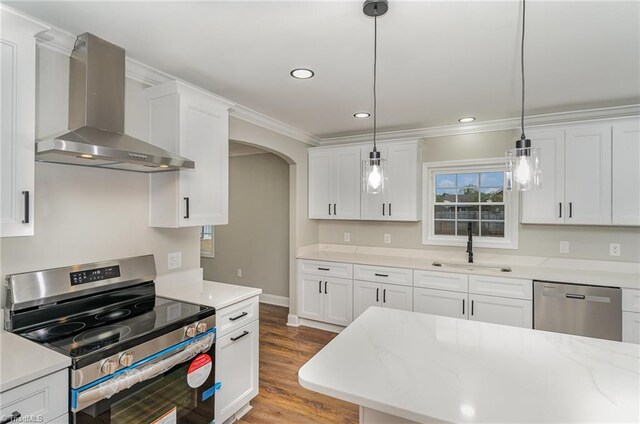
462, 194
206, 241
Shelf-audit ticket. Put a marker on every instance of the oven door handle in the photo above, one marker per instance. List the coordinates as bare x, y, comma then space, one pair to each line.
83, 397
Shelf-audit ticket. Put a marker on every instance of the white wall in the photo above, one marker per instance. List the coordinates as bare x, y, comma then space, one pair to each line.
87, 214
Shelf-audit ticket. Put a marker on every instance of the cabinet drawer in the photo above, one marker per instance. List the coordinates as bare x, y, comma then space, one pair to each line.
631, 300
327, 269
235, 316
46, 397
441, 280
500, 286
401, 276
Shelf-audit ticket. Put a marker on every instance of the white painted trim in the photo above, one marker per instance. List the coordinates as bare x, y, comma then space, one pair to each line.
321, 325
271, 124
235, 155
293, 320
57, 40
272, 299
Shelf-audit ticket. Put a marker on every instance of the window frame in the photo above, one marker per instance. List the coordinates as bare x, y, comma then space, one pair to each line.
207, 253
510, 200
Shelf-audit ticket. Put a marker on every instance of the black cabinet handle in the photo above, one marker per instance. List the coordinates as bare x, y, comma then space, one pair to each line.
324, 269
560, 206
384, 295
378, 294
570, 210
472, 307
14, 416
244, 333
325, 288
320, 286
244, 314
383, 205
389, 209
381, 275
186, 205
463, 306
26, 207
329, 208
334, 209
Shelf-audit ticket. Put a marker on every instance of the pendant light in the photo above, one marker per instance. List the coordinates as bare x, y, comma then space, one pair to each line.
373, 167
523, 162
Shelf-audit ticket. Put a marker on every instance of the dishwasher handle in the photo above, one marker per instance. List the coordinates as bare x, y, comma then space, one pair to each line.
574, 296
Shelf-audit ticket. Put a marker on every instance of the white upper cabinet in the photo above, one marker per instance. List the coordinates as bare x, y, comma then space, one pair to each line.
195, 125
17, 122
334, 183
588, 175
626, 173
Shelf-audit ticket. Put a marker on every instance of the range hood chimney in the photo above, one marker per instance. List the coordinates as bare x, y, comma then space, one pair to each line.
96, 117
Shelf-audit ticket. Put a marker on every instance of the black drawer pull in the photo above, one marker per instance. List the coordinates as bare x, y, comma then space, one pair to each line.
378, 295
186, 205
325, 288
574, 296
244, 314
472, 307
329, 208
320, 286
26, 207
381, 275
334, 209
383, 208
560, 206
389, 209
384, 295
324, 269
463, 306
14, 416
244, 333
570, 210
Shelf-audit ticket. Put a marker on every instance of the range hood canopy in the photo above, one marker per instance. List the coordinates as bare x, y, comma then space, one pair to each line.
96, 117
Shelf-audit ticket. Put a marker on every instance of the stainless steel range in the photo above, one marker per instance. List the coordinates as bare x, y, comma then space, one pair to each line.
136, 357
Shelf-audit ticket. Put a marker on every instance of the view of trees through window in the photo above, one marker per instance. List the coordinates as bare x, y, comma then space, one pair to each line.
469, 197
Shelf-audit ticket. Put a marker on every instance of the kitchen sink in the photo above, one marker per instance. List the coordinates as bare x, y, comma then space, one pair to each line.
472, 267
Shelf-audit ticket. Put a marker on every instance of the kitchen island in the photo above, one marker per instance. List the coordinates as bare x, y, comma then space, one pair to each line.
407, 367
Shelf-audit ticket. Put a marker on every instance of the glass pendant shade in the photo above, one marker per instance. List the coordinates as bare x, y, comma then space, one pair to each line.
523, 167
373, 174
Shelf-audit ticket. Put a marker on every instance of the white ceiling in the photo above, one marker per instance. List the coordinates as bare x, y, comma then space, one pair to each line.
438, 61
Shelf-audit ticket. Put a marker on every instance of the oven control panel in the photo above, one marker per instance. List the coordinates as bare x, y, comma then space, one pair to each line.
91, 275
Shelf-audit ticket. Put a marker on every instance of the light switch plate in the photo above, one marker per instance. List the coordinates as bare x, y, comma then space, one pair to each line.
239, 273
564, 247
387, 238
174, 260
347, 237
614, 249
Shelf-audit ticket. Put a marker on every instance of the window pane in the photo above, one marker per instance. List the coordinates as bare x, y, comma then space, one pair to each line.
494, 212
493, 229
494, 195
445, 195
467, 180
445, 181
491, 179
468, 194
445, 212
445, 228
468, 212
463, 225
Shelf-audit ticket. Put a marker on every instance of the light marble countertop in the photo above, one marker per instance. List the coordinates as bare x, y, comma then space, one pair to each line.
599, 273
210, 293
424, 368
22, 361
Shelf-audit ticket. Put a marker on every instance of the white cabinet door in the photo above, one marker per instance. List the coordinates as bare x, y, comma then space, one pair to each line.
626, 173
311, 297
338, 301
441, 302
365, 295
403, 187
545, 206
374, 206
345, 188
320, 180
501, 310
17, 123
397, 297
588, 175
237, 369
631, 327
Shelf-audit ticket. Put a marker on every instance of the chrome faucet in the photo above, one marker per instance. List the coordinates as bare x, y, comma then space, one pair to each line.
470, 243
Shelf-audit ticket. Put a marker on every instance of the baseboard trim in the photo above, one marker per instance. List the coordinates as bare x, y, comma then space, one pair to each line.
272, 299
293, 320
321, 325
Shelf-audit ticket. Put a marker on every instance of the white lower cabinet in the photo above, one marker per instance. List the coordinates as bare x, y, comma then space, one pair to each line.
45, 399
325, 299
397, 297
501, 310
367, 294
237, 370
441, 302
631, 327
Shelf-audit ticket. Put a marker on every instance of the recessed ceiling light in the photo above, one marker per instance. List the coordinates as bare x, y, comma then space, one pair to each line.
467, 119
302, 73
362, 115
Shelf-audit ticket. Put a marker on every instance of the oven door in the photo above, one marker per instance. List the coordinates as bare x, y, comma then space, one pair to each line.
177, 386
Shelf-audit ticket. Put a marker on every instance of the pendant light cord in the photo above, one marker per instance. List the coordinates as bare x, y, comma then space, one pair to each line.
522, 136
375, 66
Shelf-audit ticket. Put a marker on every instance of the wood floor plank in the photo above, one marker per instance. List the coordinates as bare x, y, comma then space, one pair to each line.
283, 350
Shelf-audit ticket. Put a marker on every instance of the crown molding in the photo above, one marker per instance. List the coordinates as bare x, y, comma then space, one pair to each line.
496, 125
271, 124
57, 40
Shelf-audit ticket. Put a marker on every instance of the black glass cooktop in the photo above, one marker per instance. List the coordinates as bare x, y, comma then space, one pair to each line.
94, 330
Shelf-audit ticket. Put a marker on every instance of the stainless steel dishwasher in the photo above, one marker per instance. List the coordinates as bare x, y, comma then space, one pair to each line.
582, 310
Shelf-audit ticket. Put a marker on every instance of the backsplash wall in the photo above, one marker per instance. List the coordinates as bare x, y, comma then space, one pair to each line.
586, 242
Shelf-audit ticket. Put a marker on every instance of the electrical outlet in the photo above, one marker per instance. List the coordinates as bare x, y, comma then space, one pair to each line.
564, 247
614, 249
239, 273
347, 237
387, 238
174, 260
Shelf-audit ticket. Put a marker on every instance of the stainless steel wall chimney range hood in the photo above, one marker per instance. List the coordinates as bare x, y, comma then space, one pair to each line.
96, 117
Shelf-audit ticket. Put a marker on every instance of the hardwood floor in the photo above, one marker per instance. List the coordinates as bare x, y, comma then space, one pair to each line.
283, 350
